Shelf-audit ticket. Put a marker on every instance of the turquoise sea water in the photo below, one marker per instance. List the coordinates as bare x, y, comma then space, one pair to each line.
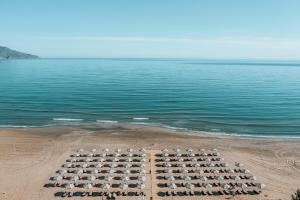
260, 98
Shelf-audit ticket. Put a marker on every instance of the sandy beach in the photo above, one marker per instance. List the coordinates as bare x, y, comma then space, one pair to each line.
29, 156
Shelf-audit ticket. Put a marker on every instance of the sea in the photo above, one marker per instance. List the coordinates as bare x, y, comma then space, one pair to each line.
257, 98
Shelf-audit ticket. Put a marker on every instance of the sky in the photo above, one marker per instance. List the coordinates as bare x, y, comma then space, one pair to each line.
228, 29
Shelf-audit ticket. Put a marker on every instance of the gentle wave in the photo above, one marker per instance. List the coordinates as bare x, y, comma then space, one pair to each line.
67, 119
140, 118
107, 121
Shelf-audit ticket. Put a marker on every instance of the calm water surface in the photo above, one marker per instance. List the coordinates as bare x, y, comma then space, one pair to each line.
234, 97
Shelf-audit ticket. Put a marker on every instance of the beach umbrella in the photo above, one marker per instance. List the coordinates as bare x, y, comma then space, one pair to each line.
90, 155
128, 165
260, 185
181, 165
172, 186
170, 178
94, 171
215, 171
165, 154
101, 159
118, 150
72, 160
141, 186
167, 165
57, 178
130, 150
116, 154
231, 171
196, 165
203, 178
129, 154
191, 154
202, 150
83, 165
111, 171
62, 171
112, 165
219, 178
165, 150
183, 171
194, 159
94, 150
76, 155
142, 150
87, 186
168, 170
215, 150
91, 178
143, 155
141, 166
187, 178
88, 160
224, 164
189, 150
208, 186
123, 186
126, 172
78, 171
125, 178
115, 159
189, 186
108, 178
103, 154
105, 186
142, 171
225, 186
98, 165
166, 159
69, 185
239, 164
178, 154
143, 160
244, 186
105, 150
177, 150
68, 165
74, 178
199, 171
180, 159
128, 159
252, 178
142, 178
80, 150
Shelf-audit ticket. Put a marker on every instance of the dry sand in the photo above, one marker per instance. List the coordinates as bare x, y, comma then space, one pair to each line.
29, 156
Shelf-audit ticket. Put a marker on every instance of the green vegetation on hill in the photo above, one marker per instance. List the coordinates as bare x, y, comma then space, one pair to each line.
6, 53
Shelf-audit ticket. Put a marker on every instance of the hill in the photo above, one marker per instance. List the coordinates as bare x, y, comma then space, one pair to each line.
7, 53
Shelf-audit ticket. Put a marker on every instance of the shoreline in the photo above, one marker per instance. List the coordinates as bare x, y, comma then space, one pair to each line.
157, 125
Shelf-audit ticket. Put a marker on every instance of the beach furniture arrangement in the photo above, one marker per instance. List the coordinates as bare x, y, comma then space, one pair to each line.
139, 174
189, 172
103, 173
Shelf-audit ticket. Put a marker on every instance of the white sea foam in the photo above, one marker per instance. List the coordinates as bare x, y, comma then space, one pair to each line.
14, 126
106, 121
140, 118
67, 119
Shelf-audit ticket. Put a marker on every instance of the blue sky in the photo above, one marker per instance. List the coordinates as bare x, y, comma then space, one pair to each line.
158, 28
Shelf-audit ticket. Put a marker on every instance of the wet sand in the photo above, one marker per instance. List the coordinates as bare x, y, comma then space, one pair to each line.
29, 156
